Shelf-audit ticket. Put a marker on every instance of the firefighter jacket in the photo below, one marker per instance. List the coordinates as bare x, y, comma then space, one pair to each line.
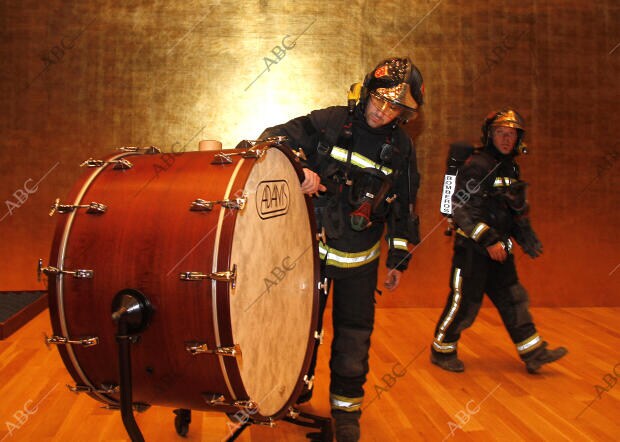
481, 207
348, 163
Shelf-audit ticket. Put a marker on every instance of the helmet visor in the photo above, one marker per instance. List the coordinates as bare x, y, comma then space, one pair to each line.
399, 94
392, 108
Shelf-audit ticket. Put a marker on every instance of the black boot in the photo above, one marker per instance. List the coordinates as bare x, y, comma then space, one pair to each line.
447, 361
542, 356
347, 425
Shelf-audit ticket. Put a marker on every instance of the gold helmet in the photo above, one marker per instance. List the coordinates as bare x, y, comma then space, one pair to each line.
506, 117
397, 81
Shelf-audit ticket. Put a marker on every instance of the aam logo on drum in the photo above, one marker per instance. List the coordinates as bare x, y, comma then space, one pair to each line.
272, 198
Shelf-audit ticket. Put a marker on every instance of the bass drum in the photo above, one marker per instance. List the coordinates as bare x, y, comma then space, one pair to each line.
222, 246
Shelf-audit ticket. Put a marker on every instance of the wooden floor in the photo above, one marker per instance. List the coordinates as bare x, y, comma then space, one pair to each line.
407, 398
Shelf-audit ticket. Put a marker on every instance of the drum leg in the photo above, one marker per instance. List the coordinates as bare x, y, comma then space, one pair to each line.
131, 311
182, 420
324, 424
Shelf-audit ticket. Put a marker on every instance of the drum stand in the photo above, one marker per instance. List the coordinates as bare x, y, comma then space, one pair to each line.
324, 424
131, 310
183, 418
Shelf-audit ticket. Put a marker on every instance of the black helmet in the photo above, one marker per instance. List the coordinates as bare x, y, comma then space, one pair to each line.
506, 117
398, 81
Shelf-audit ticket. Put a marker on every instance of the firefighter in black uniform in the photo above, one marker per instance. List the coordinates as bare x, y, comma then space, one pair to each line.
362, 168
490, 207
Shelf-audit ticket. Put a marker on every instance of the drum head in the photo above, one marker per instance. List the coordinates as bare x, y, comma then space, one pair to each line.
271, 307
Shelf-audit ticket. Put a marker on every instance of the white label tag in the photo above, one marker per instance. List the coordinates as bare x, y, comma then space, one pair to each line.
446, 196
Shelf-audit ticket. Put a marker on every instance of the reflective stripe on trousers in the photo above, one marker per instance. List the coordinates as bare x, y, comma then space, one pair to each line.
345, 403
438, 344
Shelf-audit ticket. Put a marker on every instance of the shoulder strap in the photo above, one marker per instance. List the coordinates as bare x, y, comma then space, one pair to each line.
336, 126
330, 134
333, 134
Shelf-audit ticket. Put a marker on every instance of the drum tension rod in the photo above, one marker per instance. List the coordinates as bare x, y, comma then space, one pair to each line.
323, 286
77, 274
121, 164
149, 150
226, 157
319, 336
276, 140
103, 389
217, 399
92, 208
300, 154
226, 276
309, 381
200, 205
88, 341
201, 347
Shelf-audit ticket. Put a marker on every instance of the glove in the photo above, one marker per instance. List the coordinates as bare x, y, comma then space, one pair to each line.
527, 239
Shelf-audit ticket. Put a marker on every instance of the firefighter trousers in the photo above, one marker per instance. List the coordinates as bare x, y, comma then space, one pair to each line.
472, 275
353, 318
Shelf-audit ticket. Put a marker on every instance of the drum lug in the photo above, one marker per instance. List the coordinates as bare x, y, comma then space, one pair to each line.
104, 389
200, 205
200, 347
319, 336
222, 158
88, 341
225, 276
121, 164
77, 274
309, 381
150, 150
92, 208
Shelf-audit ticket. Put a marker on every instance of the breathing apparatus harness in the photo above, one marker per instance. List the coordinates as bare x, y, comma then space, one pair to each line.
369, 184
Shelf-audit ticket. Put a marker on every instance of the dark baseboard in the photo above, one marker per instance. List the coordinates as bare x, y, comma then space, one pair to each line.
20, 315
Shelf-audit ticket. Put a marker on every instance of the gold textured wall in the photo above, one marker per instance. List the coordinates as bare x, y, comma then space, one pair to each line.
80, 78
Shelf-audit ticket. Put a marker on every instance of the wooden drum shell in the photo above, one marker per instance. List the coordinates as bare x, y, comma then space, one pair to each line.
149, 236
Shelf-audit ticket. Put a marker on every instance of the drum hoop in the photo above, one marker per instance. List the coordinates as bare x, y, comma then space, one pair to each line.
216, 251
59, 281
298, 168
